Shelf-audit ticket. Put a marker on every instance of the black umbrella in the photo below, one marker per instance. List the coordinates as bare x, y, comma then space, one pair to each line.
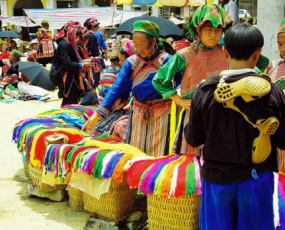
9, 34
166, 27
37, 74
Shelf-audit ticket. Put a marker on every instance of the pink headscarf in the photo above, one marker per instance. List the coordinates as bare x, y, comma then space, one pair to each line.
128, 47
72, 28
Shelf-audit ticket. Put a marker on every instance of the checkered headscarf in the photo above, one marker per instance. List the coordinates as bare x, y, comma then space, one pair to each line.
213, 13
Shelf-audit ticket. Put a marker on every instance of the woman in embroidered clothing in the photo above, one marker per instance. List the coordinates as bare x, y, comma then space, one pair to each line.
46, 50
198, 62
276, 70
147, 127
70, 64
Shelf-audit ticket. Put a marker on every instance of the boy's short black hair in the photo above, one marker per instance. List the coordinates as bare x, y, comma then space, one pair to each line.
242, 40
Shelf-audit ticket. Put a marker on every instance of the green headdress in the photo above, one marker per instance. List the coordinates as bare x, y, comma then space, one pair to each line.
45, 23
282, 26
149, 28
16, 53
212, 13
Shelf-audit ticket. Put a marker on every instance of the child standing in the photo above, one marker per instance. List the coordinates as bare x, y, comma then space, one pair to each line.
239, 158
198, 62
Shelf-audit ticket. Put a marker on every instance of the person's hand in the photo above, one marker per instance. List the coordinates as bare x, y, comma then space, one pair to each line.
89, 126
106, 56
118, 105
86, 65
127, 107
182, 102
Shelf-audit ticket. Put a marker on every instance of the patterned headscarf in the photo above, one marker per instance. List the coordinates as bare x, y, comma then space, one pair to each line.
149, 28
72, 28
129, 47
212, 13
282, 26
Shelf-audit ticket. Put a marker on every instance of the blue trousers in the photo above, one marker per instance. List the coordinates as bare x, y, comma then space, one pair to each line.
246, 205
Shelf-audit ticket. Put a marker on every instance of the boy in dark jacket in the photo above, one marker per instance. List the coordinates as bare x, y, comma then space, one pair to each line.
239, 118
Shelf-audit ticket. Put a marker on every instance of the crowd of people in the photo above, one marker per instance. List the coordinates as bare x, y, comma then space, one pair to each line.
230, 114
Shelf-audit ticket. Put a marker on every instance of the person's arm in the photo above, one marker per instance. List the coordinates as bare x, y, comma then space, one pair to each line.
162, 81
194, 131
104, 46
113, 94
117, 89
93, 46
66, 62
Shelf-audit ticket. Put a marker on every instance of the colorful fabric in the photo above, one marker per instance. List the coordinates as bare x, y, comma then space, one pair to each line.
213, 13
47, 48
279, 201
29, 134
72, 28
206, 64
129, 47
43, 33
282, 26
276, 71
109, 76
149, 28
153, 116
165, 177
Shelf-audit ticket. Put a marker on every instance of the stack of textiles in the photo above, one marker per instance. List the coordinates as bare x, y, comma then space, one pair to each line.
172, 185
30, 134
97, 167
103, 157
170, 176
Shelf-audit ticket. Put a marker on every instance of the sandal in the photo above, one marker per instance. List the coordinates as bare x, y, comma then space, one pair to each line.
261, 147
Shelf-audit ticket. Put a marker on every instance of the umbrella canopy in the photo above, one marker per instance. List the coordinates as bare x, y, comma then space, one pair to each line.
9, 34
37, 74
166, 27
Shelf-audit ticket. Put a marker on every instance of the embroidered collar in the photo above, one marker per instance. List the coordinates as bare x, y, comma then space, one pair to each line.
206, 48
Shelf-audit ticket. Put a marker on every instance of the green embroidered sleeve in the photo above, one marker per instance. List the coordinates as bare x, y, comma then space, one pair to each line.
162, 81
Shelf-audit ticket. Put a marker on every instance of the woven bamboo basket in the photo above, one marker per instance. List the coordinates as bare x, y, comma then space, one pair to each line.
114, 205
173, 213
75, 198
281, 160
35, 174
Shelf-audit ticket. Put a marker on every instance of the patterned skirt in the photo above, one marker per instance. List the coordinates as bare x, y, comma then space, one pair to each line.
148, 127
